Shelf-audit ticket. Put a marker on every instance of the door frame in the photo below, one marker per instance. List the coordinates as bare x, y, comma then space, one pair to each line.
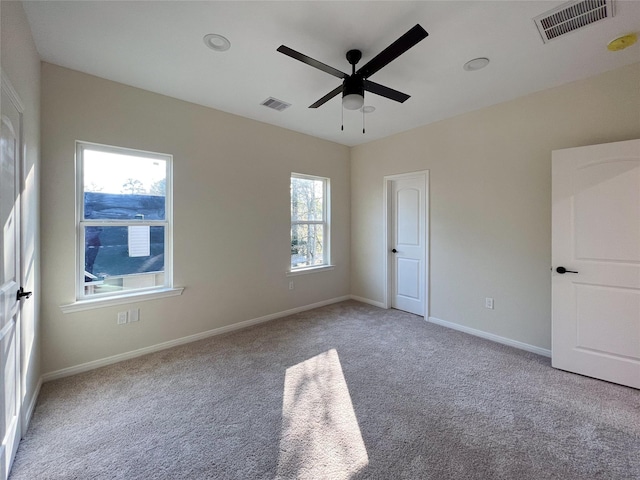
387, 270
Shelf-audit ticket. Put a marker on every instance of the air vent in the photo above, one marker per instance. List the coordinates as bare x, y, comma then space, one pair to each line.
572, 16
276, 104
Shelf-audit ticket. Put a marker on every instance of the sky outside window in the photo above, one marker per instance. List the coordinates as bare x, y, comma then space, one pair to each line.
109, 172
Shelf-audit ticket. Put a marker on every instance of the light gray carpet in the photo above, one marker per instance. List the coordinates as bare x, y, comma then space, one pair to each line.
346, 391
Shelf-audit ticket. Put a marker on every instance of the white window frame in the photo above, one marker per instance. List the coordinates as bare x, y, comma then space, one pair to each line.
84, 301
326, 221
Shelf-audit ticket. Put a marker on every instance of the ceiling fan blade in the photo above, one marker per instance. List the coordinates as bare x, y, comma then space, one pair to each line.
386, 92
312, 62
327, 97
393, 51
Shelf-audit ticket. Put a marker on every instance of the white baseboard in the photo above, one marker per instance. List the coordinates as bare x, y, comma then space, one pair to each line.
490, 336
366, 300
31, 407
85, 367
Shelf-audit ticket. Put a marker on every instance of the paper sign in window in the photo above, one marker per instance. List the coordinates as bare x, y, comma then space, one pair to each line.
139, 241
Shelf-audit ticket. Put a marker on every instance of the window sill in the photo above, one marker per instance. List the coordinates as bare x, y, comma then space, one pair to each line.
303, 271
91, 304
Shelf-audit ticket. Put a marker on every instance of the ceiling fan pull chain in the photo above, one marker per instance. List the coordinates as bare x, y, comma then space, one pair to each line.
342, 112
362, 119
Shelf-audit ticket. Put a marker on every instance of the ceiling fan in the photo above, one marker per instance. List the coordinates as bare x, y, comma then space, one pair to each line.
354, 85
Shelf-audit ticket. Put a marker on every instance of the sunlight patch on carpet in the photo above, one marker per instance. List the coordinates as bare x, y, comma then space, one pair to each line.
320, 434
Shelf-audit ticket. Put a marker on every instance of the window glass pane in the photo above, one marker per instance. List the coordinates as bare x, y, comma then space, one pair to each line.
306, 199
307, 245
123, 258
119, 187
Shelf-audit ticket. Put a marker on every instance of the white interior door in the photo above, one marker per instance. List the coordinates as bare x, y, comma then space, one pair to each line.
10, 149
408, 243
596, 238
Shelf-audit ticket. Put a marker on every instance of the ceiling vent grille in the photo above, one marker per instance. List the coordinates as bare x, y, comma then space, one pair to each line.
276, 104
572, 16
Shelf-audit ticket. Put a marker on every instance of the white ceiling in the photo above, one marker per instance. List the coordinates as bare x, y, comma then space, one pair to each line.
158, 46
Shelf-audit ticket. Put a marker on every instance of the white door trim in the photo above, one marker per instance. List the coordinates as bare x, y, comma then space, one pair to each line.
11, 92
387, 236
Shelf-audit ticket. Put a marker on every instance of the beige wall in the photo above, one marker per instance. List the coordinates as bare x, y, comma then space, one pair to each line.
490, 194
21, 65
490, 186
231, 213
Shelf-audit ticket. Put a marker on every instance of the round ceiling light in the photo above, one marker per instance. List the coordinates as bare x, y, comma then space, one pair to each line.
476, 64
352, 101
368, 109
623, 42
217, 42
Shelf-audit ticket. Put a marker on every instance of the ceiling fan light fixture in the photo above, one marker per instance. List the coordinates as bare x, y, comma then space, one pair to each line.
353, 101
353, 92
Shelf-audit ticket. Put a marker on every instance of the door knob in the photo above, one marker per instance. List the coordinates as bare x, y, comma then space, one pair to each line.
394, 250
21, 293
563, 270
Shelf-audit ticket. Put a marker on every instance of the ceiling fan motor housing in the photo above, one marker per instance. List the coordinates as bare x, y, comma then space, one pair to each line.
353, 85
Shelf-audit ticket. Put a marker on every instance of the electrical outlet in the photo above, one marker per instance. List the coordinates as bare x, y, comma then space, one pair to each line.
488, 303
122, 318
291, 285
134, 314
